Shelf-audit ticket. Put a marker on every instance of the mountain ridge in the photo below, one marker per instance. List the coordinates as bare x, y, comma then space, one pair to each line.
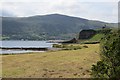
52, 26
57, 15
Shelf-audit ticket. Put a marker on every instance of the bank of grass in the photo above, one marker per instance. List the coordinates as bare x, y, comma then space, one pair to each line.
57, 64
94, 40
97, 37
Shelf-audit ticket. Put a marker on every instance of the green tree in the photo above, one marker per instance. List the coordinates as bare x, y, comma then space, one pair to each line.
109, 66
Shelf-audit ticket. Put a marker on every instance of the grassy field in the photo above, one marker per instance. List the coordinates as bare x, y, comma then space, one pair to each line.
54, 64
97, 37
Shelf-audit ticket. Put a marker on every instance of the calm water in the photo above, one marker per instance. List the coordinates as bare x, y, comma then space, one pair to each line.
24, 44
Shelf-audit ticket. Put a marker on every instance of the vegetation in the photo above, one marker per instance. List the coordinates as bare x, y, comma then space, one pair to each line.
97, 37
47, 27
57, 64
100, 34
69, 46
109, 66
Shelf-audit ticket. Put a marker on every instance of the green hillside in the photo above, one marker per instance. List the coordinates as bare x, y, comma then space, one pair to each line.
46, 27
97, 37
100, 33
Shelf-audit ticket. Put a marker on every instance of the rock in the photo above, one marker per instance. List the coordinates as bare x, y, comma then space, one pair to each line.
86, 34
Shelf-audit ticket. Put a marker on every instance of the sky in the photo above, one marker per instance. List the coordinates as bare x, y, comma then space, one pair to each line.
102, 10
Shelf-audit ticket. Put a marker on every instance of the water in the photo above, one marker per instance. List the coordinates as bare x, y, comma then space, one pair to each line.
23, 44
17, 51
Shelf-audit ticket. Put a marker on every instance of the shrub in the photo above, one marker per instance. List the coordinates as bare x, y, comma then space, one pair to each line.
66, 46
109, 66
57, 45
85, 46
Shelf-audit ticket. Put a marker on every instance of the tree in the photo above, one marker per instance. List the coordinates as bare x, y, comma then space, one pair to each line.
109, 66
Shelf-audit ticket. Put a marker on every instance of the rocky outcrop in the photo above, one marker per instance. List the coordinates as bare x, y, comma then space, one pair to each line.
86, 34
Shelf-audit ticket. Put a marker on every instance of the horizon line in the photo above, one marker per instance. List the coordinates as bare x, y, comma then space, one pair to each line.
57, 14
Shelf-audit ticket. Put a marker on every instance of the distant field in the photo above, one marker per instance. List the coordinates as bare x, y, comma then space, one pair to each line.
65, 63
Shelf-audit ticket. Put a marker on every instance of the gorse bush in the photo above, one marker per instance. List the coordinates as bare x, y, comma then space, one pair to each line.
109, 66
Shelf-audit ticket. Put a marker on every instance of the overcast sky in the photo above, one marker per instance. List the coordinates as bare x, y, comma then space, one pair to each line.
103, 10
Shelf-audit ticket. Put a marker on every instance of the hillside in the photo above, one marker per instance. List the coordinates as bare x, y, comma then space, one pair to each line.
46, 27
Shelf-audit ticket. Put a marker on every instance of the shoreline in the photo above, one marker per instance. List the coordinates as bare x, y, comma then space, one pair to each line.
23, 48
26, 50
20, 50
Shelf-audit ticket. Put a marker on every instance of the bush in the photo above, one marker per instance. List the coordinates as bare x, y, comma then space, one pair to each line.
66, 46
109, 66
85, 46
57, 45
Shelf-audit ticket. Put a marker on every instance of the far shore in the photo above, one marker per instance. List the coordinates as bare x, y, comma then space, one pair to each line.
22, 48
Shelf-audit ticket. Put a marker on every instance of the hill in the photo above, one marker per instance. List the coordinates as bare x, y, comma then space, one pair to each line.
46, 27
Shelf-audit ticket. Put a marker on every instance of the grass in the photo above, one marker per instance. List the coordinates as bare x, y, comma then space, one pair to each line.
94, 40
57, 64
69, 46
97, 37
